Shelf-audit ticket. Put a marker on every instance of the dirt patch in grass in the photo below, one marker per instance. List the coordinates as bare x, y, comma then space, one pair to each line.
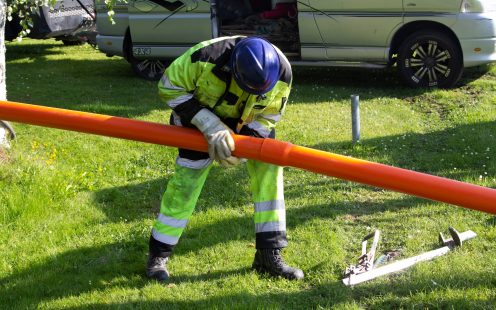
350, 218
462, 97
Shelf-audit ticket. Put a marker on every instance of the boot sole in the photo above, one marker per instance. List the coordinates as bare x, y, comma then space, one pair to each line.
160, 276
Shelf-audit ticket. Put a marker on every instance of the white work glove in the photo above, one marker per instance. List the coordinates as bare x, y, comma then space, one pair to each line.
218, 135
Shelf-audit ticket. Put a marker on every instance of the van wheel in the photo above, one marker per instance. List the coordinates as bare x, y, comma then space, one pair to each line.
430, 59
149, 69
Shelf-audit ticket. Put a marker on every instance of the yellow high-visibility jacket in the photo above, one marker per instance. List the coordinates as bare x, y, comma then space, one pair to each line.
201, 78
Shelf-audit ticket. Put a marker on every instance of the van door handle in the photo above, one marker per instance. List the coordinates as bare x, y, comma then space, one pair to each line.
411, 4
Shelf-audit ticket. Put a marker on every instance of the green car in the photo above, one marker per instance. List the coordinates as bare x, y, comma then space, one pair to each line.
430, 41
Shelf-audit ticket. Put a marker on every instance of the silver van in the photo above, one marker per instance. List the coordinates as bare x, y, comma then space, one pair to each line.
430, 41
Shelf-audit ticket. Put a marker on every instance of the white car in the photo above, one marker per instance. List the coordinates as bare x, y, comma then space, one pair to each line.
430, 41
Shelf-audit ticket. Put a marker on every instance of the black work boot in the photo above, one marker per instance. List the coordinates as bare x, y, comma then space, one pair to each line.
271, 261
156, 268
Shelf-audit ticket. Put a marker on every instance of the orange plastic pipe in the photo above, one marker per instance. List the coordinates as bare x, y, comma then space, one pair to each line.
266, 150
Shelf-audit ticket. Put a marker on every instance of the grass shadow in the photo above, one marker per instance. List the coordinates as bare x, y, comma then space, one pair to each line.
104, 86
474, 73
133, 201
34, 51
401, 292
84, 271
74, 272
327, 83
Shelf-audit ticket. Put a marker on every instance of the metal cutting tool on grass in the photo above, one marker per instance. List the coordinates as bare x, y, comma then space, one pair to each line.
366, 268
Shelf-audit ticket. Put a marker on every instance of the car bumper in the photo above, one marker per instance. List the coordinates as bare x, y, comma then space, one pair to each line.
478, 51
111, 45
477, 34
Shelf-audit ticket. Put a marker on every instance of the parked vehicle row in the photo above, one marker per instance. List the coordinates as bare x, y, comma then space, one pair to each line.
430, 41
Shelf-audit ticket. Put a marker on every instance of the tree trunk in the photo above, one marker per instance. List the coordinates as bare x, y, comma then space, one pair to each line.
3, 18
4, 142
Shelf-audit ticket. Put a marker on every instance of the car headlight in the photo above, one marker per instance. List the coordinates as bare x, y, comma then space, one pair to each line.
478, 6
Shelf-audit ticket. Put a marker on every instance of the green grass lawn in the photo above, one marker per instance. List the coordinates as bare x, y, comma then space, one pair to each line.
76, 209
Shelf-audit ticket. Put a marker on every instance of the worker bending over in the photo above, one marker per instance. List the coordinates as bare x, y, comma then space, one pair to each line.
224, 85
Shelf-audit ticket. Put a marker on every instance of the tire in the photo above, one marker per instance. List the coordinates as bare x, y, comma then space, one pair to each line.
430, 59
148, 69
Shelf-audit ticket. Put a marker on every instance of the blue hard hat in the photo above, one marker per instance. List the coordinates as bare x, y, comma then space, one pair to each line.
255, 65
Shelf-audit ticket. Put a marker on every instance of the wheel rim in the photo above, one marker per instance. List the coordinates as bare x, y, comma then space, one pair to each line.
151, 68
429, 63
